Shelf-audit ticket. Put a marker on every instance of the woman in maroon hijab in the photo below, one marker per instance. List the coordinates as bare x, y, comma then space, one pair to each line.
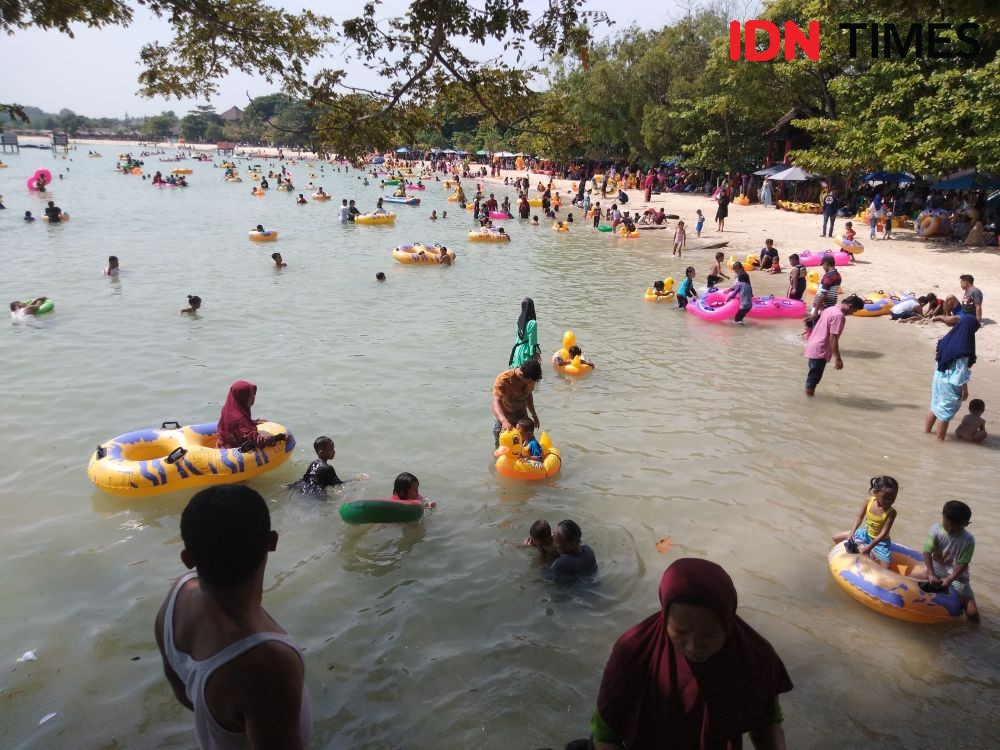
236, 427
694, 676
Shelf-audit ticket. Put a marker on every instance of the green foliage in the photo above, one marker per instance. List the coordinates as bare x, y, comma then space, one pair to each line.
160, 126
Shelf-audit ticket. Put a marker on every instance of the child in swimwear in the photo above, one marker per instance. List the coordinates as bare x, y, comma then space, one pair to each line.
531, 450
849, 232
947, 554
320, 474
406, 489
659, 288
278, 262
112, 269
380, 276
680, 236
686, 290
716, 275
775, 267
540, 537
433, 216
870, 535
700, 224
194, 305
973, 426
574, 352
28, 216
301, 200
444, 257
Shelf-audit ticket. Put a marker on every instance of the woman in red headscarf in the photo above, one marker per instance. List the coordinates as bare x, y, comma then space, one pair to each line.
692, 676
236, 427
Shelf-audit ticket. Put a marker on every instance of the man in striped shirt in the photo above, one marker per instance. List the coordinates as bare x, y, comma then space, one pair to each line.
829, 288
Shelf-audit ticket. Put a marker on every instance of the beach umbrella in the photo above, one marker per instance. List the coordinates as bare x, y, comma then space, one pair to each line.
969, 179
771, 170
403, 150
792, 174
880, 175
483, 153
449, 151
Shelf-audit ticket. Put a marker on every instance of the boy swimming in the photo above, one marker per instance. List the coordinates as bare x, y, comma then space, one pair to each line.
320, 474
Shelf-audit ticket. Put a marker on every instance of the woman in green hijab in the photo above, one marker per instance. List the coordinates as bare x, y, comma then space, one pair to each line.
526, 345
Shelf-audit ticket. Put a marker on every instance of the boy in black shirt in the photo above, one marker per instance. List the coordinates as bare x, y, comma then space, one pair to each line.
320, 474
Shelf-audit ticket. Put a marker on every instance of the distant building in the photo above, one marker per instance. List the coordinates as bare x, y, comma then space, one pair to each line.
231, 115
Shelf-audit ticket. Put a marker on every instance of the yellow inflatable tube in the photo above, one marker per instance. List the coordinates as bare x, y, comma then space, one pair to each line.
574, 365
386, 218
485, 235
321, 196
889, 590
668, 292
510, 465
269, 236
151, 462
181, 170
418, 253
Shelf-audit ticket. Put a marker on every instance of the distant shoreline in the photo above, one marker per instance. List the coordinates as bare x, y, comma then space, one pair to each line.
134, 145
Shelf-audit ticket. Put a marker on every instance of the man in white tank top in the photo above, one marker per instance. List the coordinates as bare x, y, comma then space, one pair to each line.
224, 656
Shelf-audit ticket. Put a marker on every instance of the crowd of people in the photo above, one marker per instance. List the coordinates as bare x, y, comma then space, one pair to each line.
693, 674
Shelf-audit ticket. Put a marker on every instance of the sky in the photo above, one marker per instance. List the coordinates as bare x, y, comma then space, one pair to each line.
95, 74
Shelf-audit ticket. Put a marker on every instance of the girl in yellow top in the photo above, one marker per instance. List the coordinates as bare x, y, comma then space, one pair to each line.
870, 535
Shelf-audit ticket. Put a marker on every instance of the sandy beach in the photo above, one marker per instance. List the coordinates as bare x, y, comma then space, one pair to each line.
901, 264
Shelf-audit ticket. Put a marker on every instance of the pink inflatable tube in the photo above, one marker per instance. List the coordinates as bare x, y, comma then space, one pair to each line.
415, 186
44, 174
713, 306
499, 215
840, 258
777, 307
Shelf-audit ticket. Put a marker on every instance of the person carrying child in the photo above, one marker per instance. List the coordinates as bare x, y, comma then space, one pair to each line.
320, 474
716, 274
540, 537
870, 535
948, 552
686, 291
973, 426
768, 254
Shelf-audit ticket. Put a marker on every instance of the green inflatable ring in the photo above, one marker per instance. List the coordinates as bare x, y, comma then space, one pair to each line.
46, 307
391, 182
380, 511
604, 228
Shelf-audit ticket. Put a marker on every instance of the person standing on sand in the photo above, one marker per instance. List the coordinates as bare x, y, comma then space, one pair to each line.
723, 211
225, 657
831, 205
955, 355
824, 340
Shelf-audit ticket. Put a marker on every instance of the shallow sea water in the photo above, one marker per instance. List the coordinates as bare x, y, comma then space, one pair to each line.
443, 634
